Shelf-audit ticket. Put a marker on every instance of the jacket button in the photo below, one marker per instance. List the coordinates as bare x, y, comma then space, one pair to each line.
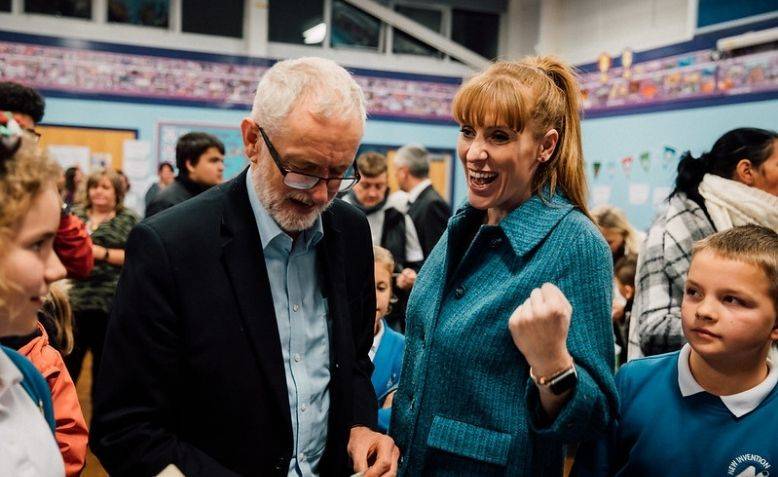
459, 292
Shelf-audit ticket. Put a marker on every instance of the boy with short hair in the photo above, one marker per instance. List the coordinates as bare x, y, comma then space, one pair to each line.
712, 407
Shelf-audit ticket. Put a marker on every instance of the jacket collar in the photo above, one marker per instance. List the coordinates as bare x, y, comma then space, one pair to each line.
527, 225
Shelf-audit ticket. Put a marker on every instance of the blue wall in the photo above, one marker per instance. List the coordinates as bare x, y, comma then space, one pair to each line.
606, 140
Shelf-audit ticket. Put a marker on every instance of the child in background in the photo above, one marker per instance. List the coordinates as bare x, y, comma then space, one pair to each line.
52, 339
29, 218
712, 407
388, 345
624, 275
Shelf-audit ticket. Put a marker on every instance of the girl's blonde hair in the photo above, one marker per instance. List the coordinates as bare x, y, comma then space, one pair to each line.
383, 257
541, 93
116, 181
22, 176
58, 312
610, 217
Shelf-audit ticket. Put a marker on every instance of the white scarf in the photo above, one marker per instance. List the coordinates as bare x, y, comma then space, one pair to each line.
732, 203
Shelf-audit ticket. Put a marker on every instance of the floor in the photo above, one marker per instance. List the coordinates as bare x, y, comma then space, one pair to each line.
93, 467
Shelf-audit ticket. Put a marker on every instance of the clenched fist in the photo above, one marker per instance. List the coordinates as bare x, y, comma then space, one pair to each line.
539, 329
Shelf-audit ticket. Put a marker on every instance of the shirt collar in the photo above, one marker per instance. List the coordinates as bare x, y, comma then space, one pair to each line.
269, 228
738, 404
377, 340
417, 190
9, 373
528, 224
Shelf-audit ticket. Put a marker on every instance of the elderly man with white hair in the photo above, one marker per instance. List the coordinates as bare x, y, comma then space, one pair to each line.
240, 333
427, 209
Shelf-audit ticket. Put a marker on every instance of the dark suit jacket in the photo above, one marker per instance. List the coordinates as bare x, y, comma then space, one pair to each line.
192, 372
180, 190
430, 214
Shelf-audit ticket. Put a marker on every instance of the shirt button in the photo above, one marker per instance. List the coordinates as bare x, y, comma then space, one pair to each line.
297, 358
301, 457
295, 307
304, 407
459, 292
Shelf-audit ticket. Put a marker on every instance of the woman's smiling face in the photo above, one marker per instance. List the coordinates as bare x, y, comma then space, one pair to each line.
499, 164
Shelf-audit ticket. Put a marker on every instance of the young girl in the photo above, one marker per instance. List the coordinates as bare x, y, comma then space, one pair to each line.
712, 407
29, 217
52, 339
388, 345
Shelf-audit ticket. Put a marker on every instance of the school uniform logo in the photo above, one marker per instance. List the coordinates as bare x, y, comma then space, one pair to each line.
749, 465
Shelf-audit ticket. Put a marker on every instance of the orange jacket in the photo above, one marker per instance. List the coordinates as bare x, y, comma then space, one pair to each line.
71, 431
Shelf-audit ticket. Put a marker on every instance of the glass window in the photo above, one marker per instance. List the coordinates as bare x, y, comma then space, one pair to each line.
354, 28
404, 43
5, 5
62, 8
139, 12
477, 31
297, 21
212, 18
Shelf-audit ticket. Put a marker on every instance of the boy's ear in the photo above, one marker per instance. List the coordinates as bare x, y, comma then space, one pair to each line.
774, 333
630, 291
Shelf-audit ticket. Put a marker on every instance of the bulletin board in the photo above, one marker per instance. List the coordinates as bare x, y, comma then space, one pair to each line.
168, 133
105, 145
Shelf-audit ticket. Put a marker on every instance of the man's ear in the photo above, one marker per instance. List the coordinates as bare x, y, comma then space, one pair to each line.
251, 143
548, 145
744, 172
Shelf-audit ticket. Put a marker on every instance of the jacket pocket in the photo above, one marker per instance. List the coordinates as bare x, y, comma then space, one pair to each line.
470, 441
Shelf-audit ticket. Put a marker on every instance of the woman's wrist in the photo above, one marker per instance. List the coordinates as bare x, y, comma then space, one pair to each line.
549, 366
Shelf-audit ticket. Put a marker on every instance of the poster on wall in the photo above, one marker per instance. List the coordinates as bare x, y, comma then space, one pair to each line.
234, 156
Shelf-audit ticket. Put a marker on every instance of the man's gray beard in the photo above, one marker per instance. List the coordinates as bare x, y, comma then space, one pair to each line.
273, 199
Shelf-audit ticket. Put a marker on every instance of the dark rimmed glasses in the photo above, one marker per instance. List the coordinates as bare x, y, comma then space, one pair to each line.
303, 180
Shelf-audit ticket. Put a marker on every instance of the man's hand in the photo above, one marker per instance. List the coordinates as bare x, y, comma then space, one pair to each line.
373, 453
406, 279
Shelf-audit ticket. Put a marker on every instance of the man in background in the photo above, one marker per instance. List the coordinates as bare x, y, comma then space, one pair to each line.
72, 243
427, 209
200, 162
166, 175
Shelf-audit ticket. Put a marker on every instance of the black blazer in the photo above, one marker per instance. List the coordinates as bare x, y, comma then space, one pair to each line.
192, 372
430, 214
180, 190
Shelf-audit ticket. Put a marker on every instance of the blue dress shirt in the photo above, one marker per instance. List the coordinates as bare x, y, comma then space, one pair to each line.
301, 314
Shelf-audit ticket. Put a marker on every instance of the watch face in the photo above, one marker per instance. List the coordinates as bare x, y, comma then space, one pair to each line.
564, 383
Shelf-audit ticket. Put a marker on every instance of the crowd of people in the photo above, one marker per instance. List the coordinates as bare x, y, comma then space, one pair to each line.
302, 319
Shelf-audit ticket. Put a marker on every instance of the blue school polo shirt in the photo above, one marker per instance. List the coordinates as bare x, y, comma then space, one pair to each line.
670, 426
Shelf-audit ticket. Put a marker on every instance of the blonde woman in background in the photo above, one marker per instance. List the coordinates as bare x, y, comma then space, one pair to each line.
109, 223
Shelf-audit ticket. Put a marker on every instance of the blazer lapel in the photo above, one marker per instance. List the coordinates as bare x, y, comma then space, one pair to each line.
245, 264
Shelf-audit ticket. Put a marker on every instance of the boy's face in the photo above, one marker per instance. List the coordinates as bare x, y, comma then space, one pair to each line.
383, 292
727, 311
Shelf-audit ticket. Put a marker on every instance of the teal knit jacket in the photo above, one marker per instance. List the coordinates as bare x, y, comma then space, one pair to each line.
465, 404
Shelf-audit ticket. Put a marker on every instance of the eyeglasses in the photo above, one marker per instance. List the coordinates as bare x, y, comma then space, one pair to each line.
35, 134
303, 180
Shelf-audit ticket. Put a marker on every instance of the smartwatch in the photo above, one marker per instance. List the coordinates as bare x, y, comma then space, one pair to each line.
559, 382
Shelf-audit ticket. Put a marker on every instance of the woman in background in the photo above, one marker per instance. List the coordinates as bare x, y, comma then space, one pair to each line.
736, 183
108, 223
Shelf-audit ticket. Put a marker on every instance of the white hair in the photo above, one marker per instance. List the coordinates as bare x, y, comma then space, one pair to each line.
415, 158
327, 89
